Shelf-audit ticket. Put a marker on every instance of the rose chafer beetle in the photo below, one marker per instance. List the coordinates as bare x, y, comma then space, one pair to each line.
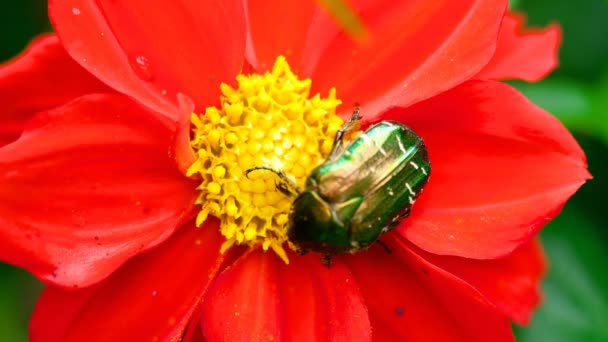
360, 191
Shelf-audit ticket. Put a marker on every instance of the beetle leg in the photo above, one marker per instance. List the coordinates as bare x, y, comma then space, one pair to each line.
287, 187
348, 127
405, 214
398, 219
301, 251
326, 260
386, 248
390, 226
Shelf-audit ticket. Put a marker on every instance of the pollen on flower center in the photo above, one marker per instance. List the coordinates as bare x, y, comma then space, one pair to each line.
269, 120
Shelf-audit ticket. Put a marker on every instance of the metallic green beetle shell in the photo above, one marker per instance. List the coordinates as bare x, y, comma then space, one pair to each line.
360, 191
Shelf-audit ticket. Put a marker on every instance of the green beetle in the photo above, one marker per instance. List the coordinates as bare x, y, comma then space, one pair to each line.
361, 190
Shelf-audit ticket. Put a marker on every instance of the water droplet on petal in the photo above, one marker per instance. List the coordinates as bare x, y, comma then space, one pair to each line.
141, 66
75, 11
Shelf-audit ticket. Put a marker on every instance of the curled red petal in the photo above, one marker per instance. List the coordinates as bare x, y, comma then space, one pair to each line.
87, 186
42, 77
512, 283
502, 168
526, 54
416, 49
411, 300
153, 50
182, 150
150, 298
259, 298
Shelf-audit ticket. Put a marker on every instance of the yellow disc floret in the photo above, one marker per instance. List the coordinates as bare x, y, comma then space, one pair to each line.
269, 120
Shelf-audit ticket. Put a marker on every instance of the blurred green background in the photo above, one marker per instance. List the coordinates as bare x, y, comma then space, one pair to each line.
576, 288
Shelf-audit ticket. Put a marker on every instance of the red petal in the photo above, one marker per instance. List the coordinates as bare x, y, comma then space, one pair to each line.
43, 77
88, 186
416, 49
260, 298
511, 283
151, 298
502, 168
527, 54
411, 300
278, 28
152, 50
194, 331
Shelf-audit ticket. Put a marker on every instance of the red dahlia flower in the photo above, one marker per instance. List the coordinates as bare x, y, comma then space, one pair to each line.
103, 183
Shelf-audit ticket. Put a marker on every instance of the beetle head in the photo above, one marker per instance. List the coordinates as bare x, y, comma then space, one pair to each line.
314, 225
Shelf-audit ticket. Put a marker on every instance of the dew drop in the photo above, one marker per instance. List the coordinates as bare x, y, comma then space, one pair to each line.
154, 293
75, 11
141, 66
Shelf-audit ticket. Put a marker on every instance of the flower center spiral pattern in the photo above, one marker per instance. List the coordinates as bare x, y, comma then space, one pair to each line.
269, 120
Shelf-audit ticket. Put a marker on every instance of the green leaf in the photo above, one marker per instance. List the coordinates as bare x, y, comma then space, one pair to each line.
576, 304
584, 28
514, 4
581, 106
18, 291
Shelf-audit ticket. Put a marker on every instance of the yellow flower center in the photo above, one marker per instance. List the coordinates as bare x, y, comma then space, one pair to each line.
270, 120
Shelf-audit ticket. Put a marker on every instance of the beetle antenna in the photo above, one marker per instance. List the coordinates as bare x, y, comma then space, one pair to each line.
284, 189
349, 126
287, 186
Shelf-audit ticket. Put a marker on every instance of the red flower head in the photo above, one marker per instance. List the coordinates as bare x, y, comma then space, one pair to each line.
148, 230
